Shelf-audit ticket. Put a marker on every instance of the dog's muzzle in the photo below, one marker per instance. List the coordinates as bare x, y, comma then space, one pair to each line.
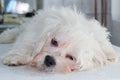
49, 61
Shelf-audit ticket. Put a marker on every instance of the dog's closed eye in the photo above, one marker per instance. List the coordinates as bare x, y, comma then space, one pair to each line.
70, 57
54, 42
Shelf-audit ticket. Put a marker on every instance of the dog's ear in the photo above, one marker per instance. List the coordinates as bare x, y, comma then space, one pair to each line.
37, 51
41, 42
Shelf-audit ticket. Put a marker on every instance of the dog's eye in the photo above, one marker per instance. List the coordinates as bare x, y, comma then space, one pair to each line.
69, 57
54, 42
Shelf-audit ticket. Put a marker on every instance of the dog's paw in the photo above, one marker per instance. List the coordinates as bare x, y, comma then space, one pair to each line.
14, 60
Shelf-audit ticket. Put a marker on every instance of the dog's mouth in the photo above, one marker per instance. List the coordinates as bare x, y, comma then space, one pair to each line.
44, 68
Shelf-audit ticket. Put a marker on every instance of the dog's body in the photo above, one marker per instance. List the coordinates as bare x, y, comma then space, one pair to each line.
60, 40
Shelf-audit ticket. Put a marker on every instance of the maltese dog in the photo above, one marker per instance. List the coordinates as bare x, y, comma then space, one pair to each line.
59, 40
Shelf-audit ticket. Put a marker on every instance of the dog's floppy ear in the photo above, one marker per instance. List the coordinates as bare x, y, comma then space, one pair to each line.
45, 36
37, 52
41, 43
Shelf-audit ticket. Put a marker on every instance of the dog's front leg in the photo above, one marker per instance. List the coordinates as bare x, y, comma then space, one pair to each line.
21, 52
18, 56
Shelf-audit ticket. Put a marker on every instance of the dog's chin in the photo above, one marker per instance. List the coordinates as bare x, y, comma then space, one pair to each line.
43, 68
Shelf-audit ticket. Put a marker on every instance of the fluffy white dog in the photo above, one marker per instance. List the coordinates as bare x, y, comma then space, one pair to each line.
59, 40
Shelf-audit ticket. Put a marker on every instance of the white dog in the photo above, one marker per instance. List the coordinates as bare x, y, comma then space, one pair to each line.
59, 40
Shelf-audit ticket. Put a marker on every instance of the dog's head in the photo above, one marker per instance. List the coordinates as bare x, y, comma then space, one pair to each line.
68, 46
57, 54
67, 52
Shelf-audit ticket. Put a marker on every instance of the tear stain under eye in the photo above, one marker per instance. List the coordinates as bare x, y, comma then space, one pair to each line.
69, 67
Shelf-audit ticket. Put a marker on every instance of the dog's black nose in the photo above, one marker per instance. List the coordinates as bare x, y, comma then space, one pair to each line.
49, 61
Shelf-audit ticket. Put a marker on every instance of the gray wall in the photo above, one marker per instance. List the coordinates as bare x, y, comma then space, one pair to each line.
116, 22
85, 6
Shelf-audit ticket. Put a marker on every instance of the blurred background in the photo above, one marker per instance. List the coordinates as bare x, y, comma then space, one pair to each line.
13, 13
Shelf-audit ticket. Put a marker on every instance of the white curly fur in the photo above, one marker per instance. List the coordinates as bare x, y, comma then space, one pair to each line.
84, 39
